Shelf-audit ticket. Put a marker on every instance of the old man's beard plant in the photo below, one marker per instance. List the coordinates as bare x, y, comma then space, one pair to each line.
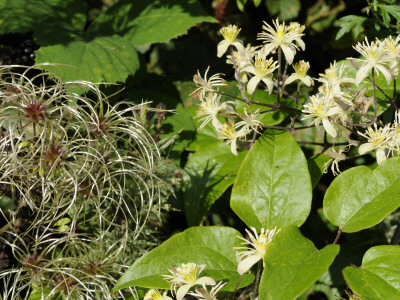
273, 188
77, 183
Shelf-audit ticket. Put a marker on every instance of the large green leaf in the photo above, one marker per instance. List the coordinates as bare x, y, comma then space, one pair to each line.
208, 173
146, 22
360, 198
379, 276
293, 264
38, 16
273, 187
103, 58
212, 246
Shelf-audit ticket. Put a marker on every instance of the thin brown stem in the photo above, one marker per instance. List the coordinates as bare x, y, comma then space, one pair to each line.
258, 275
236, 287
241, 88
375, 101
337, 236
396, 235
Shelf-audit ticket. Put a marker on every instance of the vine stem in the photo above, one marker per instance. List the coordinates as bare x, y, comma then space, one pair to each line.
375, 101
259, 267
396, 235
337, 236
236, 287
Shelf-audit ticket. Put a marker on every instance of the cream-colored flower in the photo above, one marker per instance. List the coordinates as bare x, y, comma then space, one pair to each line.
335, 76
154, 294
209, 108
256, 250
375, 57
203, 294
288, 38
229, 133
322, 112
250, 121
393, 48
206, 85
262, 70
394, 142
336, 157
378, 139
300, 69
229, 33
242, 59
185, 277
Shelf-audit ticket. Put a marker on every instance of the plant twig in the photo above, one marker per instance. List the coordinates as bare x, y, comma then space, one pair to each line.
236, 287
337, 236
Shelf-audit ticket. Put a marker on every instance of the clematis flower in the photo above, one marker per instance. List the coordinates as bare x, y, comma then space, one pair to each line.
206, 85
229, 133
257, 249
322, 111
393, 48
242, 59
300, 69
335, 76
336, 157
154, 294
262, 71
287, 38
186, 277
208, 110
250, 121
229, 33
394, 142
375, 57
204, 294
378, 139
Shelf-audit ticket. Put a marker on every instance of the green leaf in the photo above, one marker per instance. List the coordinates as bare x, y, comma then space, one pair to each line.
386, 10
208, 173
349, 22
273, 187
316, 167
102, 58
293, 264
146, 22
212, 246
360, 198
257, 2
284, 9
45, 15
379, 277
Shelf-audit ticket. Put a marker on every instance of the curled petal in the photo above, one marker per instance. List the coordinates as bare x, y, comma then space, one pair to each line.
380, 156
252, 84
269, 83
247, 263
239, 46
362, 73
330, 129
205, 281
182, 291
222, 47
385, 73
233, 148
364, 148
289, 54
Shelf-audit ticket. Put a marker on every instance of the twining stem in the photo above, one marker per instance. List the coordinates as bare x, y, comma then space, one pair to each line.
236, 287
241, 88
375, 101
337, 236
278, 79
297, 105
396, 235
258, 275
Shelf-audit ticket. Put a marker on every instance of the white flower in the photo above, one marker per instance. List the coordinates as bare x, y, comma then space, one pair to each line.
186, 277
208, 110
375, 57
285, 37
335, 76
229, 33
257, 249
242, 59
250, 121
204, 85
394, 142
393, 49
204, 294
262, 71
229, 133
154, 294
322, 111
300, 69
378, 139
336, 157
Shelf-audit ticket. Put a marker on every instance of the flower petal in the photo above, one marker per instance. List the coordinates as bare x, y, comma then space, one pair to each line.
205, 281
182, 291
269, 83
330, 129
252, 84
222, 47
364, 148
289, 54
362, 73
247, 263
380, 156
